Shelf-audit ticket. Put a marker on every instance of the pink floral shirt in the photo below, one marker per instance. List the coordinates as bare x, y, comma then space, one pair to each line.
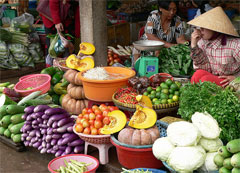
216, 58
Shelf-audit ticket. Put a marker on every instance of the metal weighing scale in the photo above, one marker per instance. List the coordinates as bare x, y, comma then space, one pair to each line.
147, 65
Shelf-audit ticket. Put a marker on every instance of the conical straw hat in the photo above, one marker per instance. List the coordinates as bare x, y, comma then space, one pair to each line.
215, 20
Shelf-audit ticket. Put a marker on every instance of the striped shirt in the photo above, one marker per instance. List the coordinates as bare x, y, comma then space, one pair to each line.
154, 26
216, 58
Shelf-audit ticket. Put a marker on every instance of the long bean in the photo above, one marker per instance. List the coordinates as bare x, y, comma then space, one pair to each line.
73, 166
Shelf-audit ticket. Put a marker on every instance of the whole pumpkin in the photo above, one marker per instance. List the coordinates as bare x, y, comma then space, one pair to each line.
75, 91
72, 77
72, 105
132, 136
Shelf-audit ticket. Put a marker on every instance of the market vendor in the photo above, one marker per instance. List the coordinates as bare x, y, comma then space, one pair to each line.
164, 25
215, 48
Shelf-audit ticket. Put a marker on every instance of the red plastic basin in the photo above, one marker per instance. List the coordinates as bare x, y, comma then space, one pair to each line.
136, 158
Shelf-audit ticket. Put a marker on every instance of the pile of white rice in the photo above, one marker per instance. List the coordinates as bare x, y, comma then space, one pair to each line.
97, 73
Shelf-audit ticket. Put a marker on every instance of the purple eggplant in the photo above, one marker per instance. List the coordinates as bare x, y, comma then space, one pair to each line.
44, 144
40, 147
65, 121
45, 122
43, 131
23, 138
59, 153
76, 143
34, 122
32, 133
28, 138
56, 117
44, 137
66, 134
48, 138
59, 142
24, 116
24, 135
53, 151
29, 109
26, 143
29, 117
33, 140
40, 120
45, 117
50, 131
48, 145
54, 142
63, 154
55, 148
70, 129
54, 111
70, 138
36, 144
78, 149
37, 115
30, 144
56, 136
43, 150
35, 126
44, 126
68, 150
63, 129
62, 147
41, 108
38, 133
54, 124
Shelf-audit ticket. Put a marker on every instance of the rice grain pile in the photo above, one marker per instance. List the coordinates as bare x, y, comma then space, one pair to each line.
97, 73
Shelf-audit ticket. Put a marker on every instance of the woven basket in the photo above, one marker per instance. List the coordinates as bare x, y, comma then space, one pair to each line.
95, 139
133, 106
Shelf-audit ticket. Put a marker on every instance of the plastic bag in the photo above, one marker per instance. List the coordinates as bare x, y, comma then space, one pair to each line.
36, 52
23, 23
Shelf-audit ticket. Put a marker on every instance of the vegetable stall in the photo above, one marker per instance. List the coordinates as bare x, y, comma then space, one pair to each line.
66, 108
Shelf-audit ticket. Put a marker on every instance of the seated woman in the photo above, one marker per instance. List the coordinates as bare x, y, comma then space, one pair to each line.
215, 48
164, 25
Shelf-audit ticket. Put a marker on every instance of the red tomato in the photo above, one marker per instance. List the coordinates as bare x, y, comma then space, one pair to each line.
80, 115
90, 110
91, 122
78, 121
85, 123
94, 131
94, 107
91, 127
87, 130
86, 116
98, 112
79, 128
105, 113
84, 111
98, 124
115, 56
99, 117
92, 116
106, 120
102, 105
111, 108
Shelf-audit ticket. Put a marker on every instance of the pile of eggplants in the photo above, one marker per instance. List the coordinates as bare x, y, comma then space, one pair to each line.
50, 130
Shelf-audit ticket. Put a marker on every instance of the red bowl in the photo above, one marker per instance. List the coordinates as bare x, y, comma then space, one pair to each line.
59, 161
136, 158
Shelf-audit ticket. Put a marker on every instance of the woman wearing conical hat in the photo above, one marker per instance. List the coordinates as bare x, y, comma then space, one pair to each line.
215, 48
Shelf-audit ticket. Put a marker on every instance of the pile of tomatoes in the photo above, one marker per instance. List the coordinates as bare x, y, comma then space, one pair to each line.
112, 58
91, 120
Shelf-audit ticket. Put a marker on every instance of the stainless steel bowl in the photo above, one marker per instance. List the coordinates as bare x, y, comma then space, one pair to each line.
148, 45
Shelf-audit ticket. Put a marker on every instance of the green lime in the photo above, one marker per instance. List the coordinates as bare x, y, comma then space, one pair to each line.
155, 99
164, 85
179, 84
174, 87
158, 94
153, 92
149, 89
165, 91
145, 93
164, 101
158, 102
175, 98
170, 101
170, 96
164, 96
177, 93
158, 89
151, 96
169, 82
171, 91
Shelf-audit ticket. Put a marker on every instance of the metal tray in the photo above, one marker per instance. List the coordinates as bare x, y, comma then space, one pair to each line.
148, 45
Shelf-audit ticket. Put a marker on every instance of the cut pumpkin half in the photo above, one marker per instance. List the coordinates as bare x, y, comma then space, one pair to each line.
144, 101
86, 48
85, 64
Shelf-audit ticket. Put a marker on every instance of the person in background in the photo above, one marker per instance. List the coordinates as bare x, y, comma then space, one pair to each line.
203, 7
70, 25
215, 48
184, 5
163, 25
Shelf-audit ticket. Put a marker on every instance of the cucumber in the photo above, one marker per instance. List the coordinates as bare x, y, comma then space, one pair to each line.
227, 163
15, 119
235, 160
35, 102
30, 96
15, 109
233, 146
218, 160
2, 129
224, 170
5, 121
17, 138
10, 125
5, 84
15, 129
5, 100
224, 152
236, 170
7, 133
3, 111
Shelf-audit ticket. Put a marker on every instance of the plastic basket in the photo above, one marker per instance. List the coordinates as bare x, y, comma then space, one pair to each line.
39, 82
95, 139
150, 170
162, 127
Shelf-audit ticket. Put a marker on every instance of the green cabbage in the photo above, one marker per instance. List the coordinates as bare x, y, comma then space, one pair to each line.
211, 145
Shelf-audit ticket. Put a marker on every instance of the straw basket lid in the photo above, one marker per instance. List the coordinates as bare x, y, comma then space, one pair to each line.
215, 20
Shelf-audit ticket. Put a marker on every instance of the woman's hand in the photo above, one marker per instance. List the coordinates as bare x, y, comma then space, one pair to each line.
227, 80
59, 27
195, 37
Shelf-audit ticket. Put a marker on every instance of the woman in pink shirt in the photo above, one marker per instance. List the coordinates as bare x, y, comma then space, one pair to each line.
215, 48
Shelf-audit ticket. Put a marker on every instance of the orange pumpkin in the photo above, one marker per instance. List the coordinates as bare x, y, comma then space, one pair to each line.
75, 91
72, 77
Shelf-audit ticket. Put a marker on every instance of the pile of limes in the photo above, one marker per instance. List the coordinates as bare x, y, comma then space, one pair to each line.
167, 92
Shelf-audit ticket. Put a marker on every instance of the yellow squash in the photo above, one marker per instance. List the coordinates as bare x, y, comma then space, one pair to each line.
144, 101
79, 64
86, 48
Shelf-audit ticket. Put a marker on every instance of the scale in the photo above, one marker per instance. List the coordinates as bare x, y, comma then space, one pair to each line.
147, 65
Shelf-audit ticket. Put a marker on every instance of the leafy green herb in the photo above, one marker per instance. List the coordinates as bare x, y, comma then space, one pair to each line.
140, 170
222, 104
